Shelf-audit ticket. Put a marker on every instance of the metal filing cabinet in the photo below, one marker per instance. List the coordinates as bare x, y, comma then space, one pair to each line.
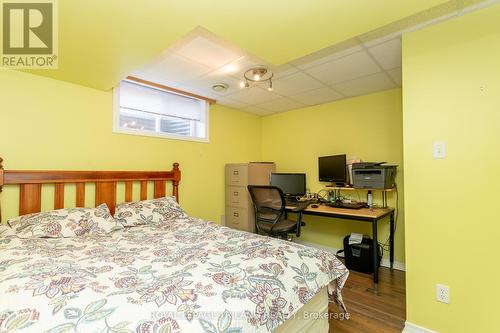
239, 208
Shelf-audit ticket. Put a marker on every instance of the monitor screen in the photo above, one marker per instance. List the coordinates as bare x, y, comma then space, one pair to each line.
332, 169
292, 184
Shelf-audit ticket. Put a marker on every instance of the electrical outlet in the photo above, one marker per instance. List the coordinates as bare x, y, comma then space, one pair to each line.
442, 293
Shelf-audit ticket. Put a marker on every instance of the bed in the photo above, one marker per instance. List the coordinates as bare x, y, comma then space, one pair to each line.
182, 275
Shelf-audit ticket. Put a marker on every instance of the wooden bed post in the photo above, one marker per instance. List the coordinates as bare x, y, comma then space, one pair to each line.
1, 174
30, 185
175, 182
1, 185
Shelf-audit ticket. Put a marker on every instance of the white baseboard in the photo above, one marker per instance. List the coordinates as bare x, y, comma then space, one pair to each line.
412, 328
400, 266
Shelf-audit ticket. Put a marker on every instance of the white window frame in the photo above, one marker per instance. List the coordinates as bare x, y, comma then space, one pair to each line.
133, 131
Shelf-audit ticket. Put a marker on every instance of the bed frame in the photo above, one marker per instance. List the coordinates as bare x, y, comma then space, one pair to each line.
30, 184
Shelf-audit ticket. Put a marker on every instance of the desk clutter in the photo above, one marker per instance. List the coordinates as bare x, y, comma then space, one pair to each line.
275, 195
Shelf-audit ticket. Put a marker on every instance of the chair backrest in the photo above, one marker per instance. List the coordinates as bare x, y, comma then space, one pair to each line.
269, 203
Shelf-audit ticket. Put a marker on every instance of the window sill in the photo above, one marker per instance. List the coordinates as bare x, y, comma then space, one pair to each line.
160, 135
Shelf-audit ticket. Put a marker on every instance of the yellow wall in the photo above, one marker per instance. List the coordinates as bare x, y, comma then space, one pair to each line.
50, 124
451, 80
367, 127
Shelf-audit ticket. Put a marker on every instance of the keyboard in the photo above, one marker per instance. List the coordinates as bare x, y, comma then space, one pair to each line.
348, 205
291, 202
295, 203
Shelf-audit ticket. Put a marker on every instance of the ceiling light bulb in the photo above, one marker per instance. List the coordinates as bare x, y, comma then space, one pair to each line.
270, 88
132, 123
256, 77
125, 125
242, 84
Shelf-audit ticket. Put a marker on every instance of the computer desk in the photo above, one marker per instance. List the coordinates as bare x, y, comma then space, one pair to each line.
364, 215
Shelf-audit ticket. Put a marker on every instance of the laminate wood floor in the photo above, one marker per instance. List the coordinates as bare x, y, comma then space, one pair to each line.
370, 313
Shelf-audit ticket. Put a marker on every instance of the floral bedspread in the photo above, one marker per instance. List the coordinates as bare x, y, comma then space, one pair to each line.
186, 275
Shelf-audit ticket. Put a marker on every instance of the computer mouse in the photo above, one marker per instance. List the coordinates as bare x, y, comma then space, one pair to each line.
314, 206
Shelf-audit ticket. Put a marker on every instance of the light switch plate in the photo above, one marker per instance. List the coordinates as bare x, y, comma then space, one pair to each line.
439, 149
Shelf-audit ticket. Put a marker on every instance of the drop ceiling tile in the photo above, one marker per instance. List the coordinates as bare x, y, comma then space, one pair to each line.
205, 82
256, 110
344, 69
231, 103
295, 83
365, 85
373, 42
199, 91
387, 54
207, 52
317, 96
253, 95
283, 71
313, 60
280, 104
175, 68
396, 75
154, 77
239, 67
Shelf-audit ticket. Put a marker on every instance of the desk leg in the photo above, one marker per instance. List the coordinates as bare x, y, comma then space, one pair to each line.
299, 223
375, 256
391, 239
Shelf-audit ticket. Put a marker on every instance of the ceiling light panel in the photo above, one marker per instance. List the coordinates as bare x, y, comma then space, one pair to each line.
208, 53
175, 68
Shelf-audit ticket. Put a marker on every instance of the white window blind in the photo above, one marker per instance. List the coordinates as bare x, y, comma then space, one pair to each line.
146, 110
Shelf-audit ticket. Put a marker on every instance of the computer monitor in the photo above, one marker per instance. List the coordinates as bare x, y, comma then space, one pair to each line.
292, 184
332, 169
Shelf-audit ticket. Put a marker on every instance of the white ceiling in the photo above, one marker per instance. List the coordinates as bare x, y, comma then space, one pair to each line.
202, 59
361, 65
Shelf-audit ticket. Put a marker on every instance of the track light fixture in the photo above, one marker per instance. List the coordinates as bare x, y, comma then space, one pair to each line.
257, 74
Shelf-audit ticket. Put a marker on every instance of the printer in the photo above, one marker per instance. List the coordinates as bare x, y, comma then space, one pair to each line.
371, 175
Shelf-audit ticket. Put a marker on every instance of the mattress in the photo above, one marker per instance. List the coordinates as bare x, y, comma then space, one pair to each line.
311, 318
183, 275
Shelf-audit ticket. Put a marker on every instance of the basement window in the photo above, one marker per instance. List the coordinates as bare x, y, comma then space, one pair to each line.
150, 111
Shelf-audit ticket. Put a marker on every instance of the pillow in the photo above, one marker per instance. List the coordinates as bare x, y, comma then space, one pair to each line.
6, 230
149, 211
65, 223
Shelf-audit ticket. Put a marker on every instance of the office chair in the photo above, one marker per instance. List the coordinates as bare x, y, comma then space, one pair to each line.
270, 213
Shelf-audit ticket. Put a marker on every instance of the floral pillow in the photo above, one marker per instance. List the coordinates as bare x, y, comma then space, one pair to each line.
149, 211
5, 230
65, 223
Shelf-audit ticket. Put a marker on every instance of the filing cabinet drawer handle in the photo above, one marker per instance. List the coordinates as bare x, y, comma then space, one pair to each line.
235, 194
236, 172
236, 214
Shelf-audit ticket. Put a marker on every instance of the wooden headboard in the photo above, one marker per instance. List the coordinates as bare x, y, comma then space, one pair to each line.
30, 183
